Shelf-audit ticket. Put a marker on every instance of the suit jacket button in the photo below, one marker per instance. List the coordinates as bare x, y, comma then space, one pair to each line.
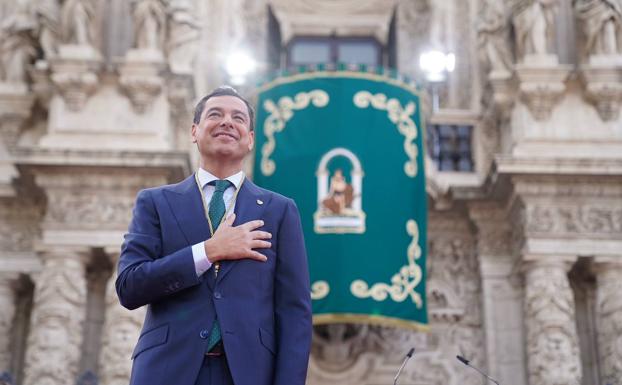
217, 295
204, 333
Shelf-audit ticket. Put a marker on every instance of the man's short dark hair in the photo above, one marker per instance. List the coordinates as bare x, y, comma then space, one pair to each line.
223, 91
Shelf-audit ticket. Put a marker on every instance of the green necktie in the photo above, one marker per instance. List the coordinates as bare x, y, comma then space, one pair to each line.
216, 212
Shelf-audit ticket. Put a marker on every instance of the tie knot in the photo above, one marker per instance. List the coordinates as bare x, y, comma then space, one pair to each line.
221, 184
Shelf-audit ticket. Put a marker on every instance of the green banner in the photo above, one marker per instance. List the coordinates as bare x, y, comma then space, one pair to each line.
347, 147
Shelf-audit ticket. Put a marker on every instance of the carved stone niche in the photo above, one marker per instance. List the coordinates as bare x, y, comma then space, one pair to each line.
75, 74
15, 107
603, 86
140, 77
541, 84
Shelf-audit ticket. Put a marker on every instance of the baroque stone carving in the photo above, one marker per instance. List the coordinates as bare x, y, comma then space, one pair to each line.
601, 22
609, 318
585, 219
75, 74
541, 87
17, 48
120, 333
47, 14
7, 304
149, 24
534, 26
78, 22
183, 37
15, 108
140, 77
55, 338
603, 87
89, 210
493, 39
552, 340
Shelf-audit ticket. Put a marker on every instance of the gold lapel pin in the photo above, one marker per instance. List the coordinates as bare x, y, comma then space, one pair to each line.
259, 202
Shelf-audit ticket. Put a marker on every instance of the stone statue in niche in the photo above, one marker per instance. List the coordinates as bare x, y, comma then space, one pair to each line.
47, 14
492, 33
601, 22
149, 24
183, 36
534, 26
78, 22
17, 48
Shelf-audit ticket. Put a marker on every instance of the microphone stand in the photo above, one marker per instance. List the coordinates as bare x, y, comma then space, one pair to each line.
408, 355
466, 362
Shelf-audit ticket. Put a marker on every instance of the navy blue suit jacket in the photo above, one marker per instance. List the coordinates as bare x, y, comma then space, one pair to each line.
264, 308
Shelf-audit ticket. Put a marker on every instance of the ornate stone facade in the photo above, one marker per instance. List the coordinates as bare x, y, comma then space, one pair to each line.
96, 101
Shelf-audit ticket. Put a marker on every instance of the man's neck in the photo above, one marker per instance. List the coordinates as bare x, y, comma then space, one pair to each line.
221, 171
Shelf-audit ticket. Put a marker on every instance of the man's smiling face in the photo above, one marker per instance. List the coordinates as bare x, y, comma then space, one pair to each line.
223, 133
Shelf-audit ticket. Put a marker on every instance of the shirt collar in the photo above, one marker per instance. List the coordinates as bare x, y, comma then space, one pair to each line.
205, 177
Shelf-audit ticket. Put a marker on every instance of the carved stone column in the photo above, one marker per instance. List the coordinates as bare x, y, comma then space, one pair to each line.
609, 317
552, 341
120, 333
57, 319
7, 304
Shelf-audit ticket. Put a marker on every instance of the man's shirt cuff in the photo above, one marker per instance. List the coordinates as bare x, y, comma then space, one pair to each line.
201, 263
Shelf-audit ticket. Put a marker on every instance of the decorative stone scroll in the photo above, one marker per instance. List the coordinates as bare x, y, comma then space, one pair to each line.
57, 321
553, 356
120, 333
609, 318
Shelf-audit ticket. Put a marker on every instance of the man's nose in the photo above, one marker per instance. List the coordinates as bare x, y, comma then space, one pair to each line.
227, 120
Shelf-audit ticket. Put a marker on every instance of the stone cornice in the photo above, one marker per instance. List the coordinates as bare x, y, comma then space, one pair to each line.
177, 162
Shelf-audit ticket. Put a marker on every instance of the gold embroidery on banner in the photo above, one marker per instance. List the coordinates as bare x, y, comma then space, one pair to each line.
319, 289
401, 116
280, 113
403, 283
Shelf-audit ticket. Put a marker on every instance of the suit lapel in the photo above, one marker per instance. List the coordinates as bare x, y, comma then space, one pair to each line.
186, 203
247, 209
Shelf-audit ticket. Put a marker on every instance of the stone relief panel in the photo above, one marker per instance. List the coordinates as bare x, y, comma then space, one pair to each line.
58, 314
361, 354
609, 320
92, 200
587, 206
552, 340
19, 223
121, 331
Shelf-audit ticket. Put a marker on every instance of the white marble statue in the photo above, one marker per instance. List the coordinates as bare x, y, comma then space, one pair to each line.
492, 34
149, 24
533, 26
47, 14
183, 36
78, 22
601, 21
17, 48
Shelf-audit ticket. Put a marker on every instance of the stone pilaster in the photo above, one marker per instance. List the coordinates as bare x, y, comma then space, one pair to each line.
7, 315
56, 329
501, 292
549, 309
120, 333
609, 317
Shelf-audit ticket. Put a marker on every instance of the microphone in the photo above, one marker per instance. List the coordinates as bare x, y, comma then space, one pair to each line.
408, 355
467, 363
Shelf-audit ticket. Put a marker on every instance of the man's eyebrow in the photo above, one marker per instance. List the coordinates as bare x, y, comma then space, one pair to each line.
240, 112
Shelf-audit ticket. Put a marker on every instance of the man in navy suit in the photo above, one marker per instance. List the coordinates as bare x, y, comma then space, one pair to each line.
221, 265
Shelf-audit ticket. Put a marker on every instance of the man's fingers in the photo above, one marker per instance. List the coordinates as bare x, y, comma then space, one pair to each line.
252, 225
258, 256
261, 234
257, 244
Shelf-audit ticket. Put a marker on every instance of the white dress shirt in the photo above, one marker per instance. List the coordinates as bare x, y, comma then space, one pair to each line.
201, 263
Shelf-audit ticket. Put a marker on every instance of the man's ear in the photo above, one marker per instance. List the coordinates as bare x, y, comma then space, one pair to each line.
251, 142
194, 133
